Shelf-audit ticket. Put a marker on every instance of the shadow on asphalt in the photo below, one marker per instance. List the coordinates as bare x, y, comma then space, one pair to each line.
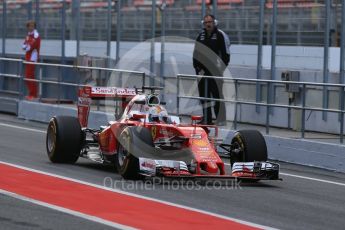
97, 166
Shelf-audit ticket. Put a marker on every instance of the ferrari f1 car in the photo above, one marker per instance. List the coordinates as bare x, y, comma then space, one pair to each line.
145, 141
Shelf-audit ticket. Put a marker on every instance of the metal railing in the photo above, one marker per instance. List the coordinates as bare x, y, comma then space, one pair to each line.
16, 76
19, 77
241, 22
267, 104
252, 22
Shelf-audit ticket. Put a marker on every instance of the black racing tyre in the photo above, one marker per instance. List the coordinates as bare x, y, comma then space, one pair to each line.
64, 139
251, 145
131, 141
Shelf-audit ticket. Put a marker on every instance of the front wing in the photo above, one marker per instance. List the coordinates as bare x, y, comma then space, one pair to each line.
251, 171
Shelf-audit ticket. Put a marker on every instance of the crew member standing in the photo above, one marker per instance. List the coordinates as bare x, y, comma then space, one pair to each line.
210, 58
31, 46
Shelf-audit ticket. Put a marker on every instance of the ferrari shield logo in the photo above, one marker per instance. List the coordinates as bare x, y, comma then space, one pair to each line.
154, 131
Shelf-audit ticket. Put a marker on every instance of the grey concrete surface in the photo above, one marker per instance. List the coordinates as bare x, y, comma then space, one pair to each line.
44, 112
303, 200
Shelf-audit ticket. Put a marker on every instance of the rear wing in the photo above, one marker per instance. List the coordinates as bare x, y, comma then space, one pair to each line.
87, 93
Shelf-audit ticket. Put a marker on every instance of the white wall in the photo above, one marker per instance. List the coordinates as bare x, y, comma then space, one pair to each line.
288, 57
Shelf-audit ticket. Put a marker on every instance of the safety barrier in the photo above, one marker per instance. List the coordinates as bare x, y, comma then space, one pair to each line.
17, 92
19, 77
303, 86
237, 101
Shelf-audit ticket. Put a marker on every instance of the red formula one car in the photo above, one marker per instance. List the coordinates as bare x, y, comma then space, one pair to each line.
148, 142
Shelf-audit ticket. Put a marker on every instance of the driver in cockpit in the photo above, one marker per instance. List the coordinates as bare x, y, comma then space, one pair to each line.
157, 113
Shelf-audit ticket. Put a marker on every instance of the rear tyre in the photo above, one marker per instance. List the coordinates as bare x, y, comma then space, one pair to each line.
131, 141
64, 139
248, 146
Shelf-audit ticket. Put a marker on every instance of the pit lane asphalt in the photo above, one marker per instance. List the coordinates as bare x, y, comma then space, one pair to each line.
294, 203
18, 214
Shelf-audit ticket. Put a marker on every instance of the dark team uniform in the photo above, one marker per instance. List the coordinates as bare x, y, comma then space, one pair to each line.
210, 57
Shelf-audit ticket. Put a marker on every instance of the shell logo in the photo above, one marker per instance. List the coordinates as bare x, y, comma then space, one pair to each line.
159, 109
200, 143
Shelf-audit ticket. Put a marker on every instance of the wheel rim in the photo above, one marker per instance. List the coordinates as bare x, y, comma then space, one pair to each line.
239, 156
51, 138
122, 152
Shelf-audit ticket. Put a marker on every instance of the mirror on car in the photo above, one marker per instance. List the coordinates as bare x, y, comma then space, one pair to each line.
196, 118
138, 116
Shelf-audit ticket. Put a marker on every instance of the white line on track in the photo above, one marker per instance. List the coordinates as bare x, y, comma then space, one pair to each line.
22, 128
313, 179
308, 178
65, 210
142, 197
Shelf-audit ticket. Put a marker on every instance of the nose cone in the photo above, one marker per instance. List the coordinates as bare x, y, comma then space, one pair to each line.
210, 167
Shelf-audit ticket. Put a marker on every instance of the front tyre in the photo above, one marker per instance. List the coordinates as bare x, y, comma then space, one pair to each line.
248, 146
64, 139
131, 141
